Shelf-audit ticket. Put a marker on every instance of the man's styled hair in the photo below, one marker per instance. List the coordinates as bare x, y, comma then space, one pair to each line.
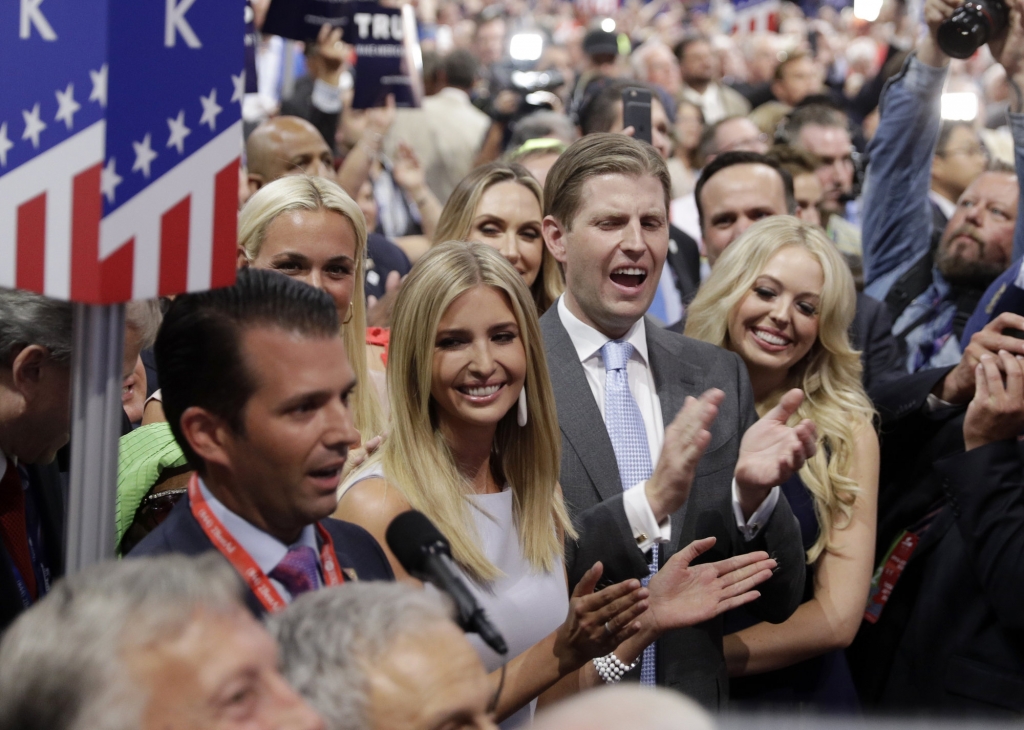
592, 156
946, 131
460, 69
62, 662
32, 319
330, 640
819, 114
728, 159
198, 350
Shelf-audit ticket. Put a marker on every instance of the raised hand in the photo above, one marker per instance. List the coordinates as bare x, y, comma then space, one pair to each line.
331, 53
684, 595
958, 385
598, 622
407, 170
1008, 47
997, 411
771, 451
686, 438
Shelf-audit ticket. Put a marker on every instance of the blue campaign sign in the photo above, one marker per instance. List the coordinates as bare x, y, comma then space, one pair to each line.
384, 57
120, 137
190, 91
301, 20
51, 74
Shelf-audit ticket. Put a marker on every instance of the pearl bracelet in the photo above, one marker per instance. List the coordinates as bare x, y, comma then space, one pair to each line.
611, 669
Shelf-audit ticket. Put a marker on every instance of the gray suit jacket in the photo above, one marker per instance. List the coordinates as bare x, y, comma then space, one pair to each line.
690, 659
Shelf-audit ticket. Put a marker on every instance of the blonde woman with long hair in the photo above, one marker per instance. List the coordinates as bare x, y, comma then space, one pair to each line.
310, 229
783, 299
474, 445
501, 205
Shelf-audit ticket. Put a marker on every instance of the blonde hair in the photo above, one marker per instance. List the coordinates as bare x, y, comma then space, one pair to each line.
300, 192
417, 459
456, 222
829, 374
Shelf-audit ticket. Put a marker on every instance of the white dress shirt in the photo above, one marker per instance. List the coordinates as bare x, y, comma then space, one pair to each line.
265, 550
588, 343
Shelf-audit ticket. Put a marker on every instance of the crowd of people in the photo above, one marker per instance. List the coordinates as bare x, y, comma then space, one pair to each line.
733, 413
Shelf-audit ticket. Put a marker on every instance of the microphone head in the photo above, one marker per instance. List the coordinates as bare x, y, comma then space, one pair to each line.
411, 537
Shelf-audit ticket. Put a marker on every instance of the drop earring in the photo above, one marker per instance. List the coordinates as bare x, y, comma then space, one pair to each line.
521, 414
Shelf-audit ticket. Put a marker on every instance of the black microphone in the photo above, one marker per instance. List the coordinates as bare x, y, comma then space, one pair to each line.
425, 554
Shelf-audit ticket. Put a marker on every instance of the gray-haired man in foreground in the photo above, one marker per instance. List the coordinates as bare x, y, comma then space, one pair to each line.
373, 656
155, 643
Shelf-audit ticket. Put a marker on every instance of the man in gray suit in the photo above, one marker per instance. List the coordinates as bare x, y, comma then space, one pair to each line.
710, 467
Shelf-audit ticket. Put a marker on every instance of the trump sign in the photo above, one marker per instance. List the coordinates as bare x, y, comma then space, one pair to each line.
120, 137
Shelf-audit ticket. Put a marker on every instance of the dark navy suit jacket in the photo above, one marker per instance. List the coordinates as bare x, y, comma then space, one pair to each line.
48, 494
181, 533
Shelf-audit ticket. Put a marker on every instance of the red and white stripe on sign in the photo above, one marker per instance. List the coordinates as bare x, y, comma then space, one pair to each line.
177, 235
180, 231
50, 212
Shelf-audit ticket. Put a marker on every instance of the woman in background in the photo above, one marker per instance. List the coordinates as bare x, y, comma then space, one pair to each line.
502, 206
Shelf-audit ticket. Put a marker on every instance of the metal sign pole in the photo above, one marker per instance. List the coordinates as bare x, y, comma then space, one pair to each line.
95, 432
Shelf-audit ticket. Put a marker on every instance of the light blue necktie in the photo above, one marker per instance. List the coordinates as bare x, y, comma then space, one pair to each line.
632, 452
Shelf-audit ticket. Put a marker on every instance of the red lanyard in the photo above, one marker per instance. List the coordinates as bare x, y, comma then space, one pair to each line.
255, 578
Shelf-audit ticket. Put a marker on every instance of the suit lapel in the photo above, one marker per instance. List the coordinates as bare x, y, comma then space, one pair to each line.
579, 418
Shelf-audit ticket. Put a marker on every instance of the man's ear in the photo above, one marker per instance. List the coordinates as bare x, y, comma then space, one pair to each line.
554, 237
208, 435
256, 181
27, 370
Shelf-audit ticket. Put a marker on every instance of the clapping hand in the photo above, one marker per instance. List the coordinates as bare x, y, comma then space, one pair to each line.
771, 451
686, 438
684, 595
598, 622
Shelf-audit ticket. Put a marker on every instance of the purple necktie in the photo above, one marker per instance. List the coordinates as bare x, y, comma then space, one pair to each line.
297, 570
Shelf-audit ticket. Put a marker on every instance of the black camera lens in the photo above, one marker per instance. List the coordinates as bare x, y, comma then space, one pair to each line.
972, 25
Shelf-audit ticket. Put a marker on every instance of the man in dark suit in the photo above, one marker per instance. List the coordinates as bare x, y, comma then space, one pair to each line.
619, 382
256, 386
947, 637
35, 418
738, 189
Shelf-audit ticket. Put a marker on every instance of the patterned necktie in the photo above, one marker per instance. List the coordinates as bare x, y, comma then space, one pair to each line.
13, 528
626, 430
297, 570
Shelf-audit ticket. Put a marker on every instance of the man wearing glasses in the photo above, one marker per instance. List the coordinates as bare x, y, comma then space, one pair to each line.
932, 291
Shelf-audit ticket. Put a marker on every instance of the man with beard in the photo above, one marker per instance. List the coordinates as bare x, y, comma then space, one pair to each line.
932, 293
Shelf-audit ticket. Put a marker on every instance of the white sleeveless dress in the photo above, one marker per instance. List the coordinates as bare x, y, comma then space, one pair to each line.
524, 605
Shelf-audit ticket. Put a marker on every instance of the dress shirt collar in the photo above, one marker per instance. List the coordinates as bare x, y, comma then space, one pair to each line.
266, 550
588, 341
947, 206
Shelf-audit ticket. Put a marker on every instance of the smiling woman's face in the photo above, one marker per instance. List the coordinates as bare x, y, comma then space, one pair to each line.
316, 247
775, 324
479, 362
